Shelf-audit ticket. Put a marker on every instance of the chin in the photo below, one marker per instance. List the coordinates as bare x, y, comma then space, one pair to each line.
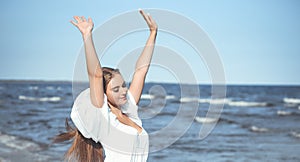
123, 102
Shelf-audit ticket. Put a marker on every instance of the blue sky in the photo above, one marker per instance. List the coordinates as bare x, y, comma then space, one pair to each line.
258, 41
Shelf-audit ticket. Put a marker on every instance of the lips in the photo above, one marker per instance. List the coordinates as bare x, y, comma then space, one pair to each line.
123, 98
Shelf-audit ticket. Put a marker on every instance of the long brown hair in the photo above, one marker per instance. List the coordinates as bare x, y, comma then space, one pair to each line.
82, 149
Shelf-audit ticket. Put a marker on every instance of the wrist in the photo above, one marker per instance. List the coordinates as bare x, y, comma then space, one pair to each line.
86, 35
153, 31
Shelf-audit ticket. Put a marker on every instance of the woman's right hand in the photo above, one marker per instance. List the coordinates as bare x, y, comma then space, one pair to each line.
84, 26
149, 20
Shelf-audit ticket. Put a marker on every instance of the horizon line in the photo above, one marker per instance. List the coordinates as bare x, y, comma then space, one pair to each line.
152, 82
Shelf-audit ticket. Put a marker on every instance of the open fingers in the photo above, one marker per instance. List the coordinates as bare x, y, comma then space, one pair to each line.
74, 23
78, 19
150, 19
83, 19
145, 16
90, 20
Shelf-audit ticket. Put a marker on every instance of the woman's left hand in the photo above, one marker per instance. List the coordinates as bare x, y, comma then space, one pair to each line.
84, 26
150, 21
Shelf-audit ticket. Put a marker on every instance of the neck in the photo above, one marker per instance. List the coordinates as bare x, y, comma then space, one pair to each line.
115, 109
123, 118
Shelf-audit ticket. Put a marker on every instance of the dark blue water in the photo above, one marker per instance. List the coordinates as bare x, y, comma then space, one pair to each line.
258, 123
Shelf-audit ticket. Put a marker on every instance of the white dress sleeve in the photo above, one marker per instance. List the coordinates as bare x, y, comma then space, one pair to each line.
89, 119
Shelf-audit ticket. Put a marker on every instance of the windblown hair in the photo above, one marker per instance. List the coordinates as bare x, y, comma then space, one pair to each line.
108, 74
82, 149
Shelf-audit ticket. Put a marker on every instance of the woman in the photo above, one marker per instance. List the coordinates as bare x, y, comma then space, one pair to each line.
105, 115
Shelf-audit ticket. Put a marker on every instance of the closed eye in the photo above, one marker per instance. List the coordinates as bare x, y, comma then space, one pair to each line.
116, 89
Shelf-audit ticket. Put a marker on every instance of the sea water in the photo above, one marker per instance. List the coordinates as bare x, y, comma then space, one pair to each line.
258, 123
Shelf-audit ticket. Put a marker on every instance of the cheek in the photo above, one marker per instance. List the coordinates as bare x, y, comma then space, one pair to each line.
112, 97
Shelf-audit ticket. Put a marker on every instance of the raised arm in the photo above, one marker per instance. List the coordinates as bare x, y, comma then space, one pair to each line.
93, 65
144, 60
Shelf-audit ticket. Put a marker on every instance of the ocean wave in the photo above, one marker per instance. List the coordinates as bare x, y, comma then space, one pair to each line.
215, 101
189, 99
295, 134
33, 87
170, 97
224, 101
205, 100
291, 100
150, 97
247, 104
42, 99
283, 113
18, 149
205, 120
16, 143
257, 129
49, 88
147, 96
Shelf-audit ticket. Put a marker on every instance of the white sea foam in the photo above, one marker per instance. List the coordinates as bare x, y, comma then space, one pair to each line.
215, 101
49, 88
295, 134
280, 112
14, 142
291, 100
189, 99
246, 104
223, 101
170, 97
42, 99
17, 149
147, 96
257, 129
150, 97
205, 119
33, 87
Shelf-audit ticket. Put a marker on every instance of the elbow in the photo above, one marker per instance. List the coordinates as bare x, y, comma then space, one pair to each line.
98, 105
142, 70
97, 73
141, 73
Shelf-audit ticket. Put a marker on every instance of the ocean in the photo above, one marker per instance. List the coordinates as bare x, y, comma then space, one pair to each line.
257, 123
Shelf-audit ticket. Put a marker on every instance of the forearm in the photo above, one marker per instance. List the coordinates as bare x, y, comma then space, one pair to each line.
92, 61
144, 60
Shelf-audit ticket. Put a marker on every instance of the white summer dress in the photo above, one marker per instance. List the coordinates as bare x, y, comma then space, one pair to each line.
121, 142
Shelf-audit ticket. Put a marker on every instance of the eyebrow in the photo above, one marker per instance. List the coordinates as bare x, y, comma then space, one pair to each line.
118, 86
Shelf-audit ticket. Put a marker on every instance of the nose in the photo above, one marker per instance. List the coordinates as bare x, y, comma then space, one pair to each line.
124, 90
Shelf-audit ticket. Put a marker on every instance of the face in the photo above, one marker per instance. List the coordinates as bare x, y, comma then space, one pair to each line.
117, 91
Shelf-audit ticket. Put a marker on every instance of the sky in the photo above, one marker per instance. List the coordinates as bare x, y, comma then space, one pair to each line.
257, 41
